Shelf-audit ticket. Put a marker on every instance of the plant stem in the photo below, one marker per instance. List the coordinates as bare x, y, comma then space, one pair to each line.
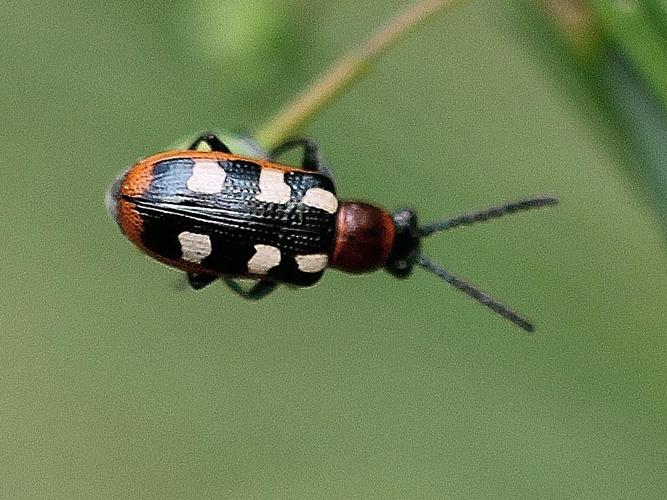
344, 72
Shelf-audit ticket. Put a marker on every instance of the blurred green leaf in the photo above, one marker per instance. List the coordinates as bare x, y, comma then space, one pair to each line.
630, 28
657, 9
617, 51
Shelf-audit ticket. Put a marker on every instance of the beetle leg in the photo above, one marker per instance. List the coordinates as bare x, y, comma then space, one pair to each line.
259, 290
213, 142
200, 280
311, 154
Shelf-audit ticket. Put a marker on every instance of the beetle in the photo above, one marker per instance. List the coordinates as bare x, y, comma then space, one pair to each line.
218, 215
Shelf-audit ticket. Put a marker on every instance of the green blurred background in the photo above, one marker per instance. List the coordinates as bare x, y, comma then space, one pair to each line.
116, 384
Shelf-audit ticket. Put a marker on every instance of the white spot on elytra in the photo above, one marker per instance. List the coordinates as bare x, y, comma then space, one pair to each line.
265, 258
272, 187
320, 198
312, 263
207, 177
195, 247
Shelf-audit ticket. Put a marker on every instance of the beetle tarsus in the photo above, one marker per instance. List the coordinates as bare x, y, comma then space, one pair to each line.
258, 291
212, 140
311, 154
200, 280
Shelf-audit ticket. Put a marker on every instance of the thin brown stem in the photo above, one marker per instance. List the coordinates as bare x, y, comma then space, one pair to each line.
345, 71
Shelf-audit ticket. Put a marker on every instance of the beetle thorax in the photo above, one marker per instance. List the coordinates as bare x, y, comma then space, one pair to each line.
364, 238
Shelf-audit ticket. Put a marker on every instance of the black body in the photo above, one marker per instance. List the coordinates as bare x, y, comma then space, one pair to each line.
235, 220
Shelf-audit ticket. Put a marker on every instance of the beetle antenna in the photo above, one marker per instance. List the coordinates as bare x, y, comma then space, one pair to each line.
475, 293
487, 214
